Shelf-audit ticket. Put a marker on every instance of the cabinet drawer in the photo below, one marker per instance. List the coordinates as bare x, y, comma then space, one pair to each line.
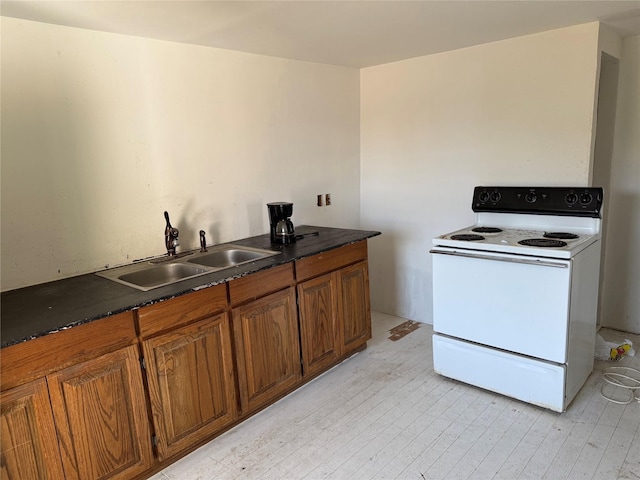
182, 310
331, 260
260, 284
35, 358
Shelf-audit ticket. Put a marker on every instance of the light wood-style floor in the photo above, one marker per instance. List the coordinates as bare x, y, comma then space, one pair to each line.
384, 414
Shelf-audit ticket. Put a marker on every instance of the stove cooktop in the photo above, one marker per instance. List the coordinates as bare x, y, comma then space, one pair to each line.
518, 240
536, 221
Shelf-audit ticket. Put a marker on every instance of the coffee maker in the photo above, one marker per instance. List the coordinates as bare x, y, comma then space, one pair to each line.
281, 227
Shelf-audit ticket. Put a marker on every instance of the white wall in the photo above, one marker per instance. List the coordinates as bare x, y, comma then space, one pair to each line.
621, 295
101, 133
514, 112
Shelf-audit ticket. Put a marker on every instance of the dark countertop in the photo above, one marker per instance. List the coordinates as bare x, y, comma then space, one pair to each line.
38, 310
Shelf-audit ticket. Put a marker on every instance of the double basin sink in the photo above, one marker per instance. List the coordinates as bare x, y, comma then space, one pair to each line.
150, 274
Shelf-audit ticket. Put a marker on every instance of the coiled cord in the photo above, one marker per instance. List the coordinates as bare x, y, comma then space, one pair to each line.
626, 378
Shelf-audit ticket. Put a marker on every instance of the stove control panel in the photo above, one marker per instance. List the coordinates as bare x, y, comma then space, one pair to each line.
574, 201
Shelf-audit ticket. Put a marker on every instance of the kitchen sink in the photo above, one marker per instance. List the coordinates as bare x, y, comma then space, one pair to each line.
146, 276
226, 256
160, 275
166, 271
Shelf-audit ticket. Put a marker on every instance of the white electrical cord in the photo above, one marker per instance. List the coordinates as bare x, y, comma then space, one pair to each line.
621, 377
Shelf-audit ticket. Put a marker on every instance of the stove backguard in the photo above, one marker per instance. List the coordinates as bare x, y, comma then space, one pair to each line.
566, 201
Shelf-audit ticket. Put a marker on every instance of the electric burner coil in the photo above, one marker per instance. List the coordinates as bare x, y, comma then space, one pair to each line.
467, 237
543, 243
486, 230
561, 235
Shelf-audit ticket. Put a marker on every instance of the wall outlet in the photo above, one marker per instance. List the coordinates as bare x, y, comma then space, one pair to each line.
327, 199
319, 201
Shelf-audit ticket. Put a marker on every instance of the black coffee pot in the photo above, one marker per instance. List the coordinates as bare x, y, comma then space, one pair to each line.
281, 227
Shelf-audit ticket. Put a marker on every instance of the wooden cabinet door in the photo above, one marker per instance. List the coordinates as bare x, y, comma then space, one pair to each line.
318, 305
28, 436
354, 306
267, 347
100, 413
191, 383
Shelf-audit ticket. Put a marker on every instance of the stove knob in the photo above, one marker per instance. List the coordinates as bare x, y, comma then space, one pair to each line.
531, 197
483, 196
495, 197
571, 198
586, 198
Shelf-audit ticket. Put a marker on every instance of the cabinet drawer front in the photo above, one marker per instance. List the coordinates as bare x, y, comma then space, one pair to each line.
260, 283
36, 358
181, 310
330, 260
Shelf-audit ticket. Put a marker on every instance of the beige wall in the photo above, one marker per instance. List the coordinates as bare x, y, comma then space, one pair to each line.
621, 294
101, 133
514, 112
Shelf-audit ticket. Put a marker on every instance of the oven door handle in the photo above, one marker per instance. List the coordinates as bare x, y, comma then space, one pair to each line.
526, 261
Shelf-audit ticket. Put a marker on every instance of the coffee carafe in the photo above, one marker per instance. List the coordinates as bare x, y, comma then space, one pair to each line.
281, 227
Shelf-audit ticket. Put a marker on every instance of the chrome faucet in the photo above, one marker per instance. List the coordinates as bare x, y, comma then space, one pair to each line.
170, 237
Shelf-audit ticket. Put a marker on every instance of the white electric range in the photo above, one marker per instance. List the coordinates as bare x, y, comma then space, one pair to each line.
515, 294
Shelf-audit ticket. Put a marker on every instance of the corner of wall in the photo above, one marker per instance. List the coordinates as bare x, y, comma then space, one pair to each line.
609, 41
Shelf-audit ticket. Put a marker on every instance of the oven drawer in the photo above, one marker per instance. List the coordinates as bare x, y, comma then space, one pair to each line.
532, 381
515, 303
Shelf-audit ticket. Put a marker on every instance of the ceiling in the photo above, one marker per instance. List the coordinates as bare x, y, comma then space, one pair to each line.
356, 33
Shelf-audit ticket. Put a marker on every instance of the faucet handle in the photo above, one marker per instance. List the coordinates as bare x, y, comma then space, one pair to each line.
203, 241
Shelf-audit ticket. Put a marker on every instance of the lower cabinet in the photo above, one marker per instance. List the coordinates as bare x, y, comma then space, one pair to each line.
354, 307
29, 443
319, 332
334, 305
191, 383
267, 348
100, 415
74, 404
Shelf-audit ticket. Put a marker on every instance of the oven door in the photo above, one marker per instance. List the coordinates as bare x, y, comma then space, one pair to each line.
512, 302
